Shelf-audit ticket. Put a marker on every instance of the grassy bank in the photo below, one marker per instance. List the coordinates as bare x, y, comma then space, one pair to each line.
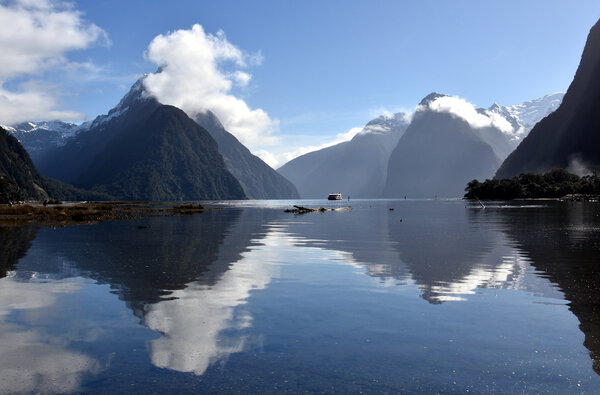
89, 212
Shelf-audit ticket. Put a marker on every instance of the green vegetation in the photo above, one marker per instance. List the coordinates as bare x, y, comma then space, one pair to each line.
556, 183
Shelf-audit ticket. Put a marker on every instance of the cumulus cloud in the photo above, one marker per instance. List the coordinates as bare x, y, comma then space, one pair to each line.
198, 72
467, 111
33, 101
35, 38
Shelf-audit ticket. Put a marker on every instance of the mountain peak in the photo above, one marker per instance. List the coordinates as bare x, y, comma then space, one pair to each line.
430, 98
385, 124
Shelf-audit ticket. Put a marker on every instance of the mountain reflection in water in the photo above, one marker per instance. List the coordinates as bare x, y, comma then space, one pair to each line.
562, 241
200, 285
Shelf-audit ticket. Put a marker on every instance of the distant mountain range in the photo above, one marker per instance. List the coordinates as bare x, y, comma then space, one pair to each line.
569, 138
435, 154
39, 137
357, 167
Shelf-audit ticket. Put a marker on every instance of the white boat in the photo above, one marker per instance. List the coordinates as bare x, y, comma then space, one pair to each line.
334, 196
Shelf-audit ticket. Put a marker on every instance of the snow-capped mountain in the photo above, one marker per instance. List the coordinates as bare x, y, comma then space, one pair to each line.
384, 124
524, 116
135, 94
64, 129
446, 145
38, 137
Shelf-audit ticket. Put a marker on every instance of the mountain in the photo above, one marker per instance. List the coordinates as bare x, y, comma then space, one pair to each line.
437, 155
569, 138
142, 150
523, 117
39, 137
513, 123
355, 168
20, 180
257, 178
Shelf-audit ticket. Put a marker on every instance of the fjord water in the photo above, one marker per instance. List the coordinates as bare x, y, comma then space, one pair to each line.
430, 296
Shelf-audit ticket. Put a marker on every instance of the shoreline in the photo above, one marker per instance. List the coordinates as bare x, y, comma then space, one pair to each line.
80, 213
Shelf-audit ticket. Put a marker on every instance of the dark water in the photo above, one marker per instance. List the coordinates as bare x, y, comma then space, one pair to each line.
432, 296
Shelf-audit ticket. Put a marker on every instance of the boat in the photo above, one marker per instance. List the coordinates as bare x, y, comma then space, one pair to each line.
334, 196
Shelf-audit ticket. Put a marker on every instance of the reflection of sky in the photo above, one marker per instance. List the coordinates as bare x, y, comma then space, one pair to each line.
34, 360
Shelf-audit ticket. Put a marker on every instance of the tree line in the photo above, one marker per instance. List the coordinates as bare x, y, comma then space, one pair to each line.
556, 183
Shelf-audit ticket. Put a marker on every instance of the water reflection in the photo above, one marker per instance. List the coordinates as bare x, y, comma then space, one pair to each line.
448, 250
15, 242
192, 282
33, 358
193, 321
563, 242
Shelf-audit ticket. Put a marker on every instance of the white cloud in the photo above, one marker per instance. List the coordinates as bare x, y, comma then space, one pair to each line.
35, 37
465, 110
33, 101
279, 155
198, 72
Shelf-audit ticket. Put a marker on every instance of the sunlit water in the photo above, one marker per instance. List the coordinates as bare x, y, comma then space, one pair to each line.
432, 296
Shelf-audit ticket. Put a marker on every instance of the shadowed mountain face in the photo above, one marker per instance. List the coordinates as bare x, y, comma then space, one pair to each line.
256, 177
143, 150
356, 168
569, 137
40, 137
19, 179
437, 156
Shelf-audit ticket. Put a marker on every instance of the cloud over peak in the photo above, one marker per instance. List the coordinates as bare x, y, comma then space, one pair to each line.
198, 72
461, 108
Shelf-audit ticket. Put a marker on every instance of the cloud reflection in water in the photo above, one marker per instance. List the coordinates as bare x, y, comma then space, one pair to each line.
34, 360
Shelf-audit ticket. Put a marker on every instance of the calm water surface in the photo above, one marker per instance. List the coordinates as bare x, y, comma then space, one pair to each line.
432, 296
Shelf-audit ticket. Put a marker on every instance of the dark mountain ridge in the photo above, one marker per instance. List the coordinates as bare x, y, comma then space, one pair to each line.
20, 180
257, 178
142, 150
570, 135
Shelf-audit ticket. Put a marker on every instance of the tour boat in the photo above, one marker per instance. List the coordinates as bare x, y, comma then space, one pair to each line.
334, 196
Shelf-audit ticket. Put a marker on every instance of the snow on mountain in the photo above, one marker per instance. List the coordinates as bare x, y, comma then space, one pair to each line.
136, 93
64, 128
524, 116
385, 124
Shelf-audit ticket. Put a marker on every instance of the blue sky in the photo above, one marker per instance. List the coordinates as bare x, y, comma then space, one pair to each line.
318, 68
